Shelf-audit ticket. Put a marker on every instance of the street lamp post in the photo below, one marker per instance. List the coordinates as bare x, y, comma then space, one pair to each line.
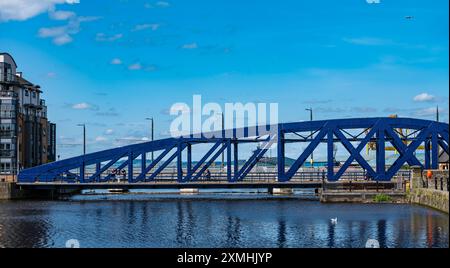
152, 131
84, 137
311, 119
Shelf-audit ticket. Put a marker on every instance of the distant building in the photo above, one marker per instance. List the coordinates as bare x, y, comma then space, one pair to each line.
27, 138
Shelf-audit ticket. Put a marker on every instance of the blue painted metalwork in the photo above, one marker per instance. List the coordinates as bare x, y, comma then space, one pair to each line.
377, 131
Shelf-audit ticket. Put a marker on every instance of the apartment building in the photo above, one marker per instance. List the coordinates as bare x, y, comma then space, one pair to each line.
27, 138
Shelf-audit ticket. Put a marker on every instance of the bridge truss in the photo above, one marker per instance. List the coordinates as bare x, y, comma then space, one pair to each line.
352, 134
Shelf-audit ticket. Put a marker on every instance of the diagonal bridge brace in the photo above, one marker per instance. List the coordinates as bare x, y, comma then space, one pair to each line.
180, 148
255, 158
401, 147
209, 163
302, 158
408, 153
147, 169
355, 153
202, 161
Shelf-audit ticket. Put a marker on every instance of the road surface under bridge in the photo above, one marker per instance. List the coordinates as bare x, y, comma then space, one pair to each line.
129, 165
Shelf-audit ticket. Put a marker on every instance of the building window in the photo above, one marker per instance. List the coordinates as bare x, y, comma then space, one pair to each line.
26, 92
34, 94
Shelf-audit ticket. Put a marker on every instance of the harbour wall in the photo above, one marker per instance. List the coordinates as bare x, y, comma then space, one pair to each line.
430, 188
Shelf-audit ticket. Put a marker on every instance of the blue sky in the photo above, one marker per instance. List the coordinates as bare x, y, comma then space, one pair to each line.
111, 64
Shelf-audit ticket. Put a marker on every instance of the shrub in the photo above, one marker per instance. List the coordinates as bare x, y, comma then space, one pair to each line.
382, 198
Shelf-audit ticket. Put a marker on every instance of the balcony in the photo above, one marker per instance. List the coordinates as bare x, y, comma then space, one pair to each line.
9, 79
8, 93
7, 134
7, 153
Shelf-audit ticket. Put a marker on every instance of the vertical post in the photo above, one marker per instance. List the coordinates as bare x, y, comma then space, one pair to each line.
143, 162
223, 136
153, 132
434, 150
152, 125
130, 167
97, 169
381, 159
311, 119
427, 154
82, 169
330, 155
280, 156
179, 163
229, 160
84, 139
236, 159
189, 159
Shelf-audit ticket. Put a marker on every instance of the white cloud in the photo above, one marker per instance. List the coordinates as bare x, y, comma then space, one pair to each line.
162, 4
429, 111
101, 139
61, 15
135, 66
129, 140
190, 46
424, 97
63, 34
109, 131
368, 41
51, 74
101, 37
81, 106
84, 106
26, 9
116, 61
140, 27
62, 39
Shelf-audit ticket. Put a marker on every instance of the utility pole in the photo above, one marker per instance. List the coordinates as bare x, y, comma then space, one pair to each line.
311, 119
84, 137
152, 125
437, 113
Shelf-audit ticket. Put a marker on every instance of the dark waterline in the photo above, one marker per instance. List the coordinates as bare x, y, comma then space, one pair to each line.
217, 220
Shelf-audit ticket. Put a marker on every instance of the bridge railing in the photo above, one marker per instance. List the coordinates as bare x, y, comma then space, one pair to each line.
219, 175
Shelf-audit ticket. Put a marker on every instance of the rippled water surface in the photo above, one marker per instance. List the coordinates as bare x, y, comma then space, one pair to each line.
216, 220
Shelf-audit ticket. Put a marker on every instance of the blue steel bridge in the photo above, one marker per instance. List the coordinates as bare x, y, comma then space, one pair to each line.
120, 167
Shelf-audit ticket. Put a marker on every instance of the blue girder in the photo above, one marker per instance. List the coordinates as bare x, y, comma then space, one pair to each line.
431, 134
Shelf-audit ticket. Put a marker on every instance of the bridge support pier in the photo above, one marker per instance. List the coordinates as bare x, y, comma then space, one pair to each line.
281, 191
189, 191
10, 191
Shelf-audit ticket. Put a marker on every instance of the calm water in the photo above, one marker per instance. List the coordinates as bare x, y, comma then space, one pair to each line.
216, 220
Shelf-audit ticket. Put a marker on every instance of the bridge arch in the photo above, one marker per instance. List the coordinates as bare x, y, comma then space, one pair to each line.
375, 132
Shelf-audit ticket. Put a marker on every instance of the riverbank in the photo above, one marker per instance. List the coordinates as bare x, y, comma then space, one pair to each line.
363, 197
430, 198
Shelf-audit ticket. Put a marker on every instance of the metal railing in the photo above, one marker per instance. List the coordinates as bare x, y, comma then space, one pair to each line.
220, 176
436, 182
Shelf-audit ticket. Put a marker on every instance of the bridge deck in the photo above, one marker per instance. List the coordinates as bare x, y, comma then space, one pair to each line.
170, 185
201, 185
